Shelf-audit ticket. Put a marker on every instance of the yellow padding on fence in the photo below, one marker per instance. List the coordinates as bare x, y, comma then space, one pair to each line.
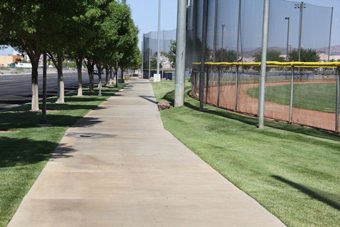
275, 64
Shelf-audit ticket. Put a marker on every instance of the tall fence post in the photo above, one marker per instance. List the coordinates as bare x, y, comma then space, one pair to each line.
180, 53
218, 86
238, 51
236, 87
263, 63
142, 58
207, 84
291, 95
204, 40
337, 101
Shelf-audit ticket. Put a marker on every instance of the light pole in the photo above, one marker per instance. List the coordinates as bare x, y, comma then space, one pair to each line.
287, 18
300, 6
180, 53
158, 45
223, 25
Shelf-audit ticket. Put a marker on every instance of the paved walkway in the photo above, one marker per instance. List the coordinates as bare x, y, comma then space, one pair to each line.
119, 167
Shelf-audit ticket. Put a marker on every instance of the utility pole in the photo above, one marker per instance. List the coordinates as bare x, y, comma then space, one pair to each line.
204, 40
300, 6
287, 18
223, 25
180, 53
157, 77
263, 63
330, 37
215, 30
142, 58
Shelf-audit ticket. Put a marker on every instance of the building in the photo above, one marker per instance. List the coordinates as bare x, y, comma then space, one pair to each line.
5, 61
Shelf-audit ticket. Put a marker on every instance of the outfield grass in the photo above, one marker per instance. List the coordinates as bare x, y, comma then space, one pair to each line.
318, 96
292, 171
25, 148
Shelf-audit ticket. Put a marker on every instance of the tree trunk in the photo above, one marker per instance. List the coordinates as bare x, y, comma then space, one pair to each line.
79, 62
91, 78
111, 79
107, 75
61, 90
35, 89
116, 71
99, 66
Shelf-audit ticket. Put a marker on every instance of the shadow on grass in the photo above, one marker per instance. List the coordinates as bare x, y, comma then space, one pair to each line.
10, 120
18, 152
194, 105
330, 199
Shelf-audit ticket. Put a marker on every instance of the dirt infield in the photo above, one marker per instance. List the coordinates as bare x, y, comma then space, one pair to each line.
247, 104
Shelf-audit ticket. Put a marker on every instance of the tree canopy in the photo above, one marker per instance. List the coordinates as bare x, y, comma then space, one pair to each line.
272, 55
76, 29
306, 55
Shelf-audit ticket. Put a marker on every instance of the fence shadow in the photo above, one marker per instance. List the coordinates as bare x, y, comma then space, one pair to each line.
330, 199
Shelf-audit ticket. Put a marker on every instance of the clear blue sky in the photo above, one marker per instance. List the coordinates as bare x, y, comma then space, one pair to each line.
145, 15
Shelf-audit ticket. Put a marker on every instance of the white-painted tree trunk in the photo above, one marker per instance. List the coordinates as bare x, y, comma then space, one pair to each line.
80, 77
35, 97
35, 89
61, 90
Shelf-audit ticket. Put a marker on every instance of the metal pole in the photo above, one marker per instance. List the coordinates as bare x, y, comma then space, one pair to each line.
143, 58
162, 60
238, 51
218, 86
180, 53
330, 37
300, 6
207, 85
44, 120
287, 18
291, 95
337, 102
215, 31
159, 35
263, 63
223, 25
204, 39
149, 50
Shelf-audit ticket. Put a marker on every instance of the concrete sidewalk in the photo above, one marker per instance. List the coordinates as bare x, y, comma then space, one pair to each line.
118, 166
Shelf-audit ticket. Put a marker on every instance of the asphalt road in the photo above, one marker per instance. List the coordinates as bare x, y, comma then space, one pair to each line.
16, 89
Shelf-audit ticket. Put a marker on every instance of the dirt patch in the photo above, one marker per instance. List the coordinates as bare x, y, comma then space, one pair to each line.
247, 104
7, 131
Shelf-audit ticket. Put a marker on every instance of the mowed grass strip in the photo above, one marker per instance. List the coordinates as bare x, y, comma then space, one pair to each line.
25, 148
316, 96
292, 171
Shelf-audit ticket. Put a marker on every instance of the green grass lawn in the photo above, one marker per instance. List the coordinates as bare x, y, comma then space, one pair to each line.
25, 148
294, 172
318, 96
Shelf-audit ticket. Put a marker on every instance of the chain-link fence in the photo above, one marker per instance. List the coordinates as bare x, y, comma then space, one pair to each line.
299, 94
149, 49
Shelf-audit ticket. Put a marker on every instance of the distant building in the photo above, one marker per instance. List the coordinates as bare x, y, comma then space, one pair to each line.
5, 61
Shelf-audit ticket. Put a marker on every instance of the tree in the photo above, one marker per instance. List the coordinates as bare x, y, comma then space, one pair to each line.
226, 56
272, 55
171, 55
22, 27
153, 64
127, 45
306, 55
